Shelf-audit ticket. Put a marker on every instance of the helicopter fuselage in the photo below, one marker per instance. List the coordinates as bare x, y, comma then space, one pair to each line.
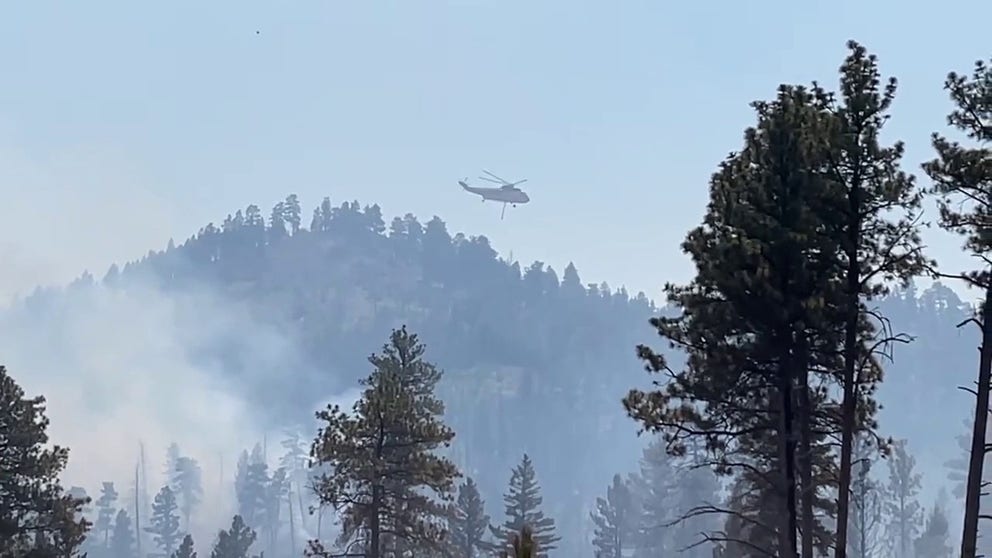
505, 195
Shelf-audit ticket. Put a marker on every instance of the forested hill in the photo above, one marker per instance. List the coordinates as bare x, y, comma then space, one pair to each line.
534, 359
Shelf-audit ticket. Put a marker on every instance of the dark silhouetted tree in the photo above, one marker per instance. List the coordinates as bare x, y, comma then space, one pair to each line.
35, 511
878, 206
962, 179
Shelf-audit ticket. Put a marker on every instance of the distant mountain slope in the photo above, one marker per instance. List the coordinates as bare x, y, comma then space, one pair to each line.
534, 361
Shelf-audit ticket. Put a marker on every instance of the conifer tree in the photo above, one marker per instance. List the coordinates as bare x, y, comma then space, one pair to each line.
106, 506
172, 455
164, 522
755, 320
934, 541
902, 509
654, 486
876, 209
235, 542
34, 508
468, 522
615, 519
867, 504
185, 549
188, 486
387, 481
962, 180
122, 542
522, 504
251, 484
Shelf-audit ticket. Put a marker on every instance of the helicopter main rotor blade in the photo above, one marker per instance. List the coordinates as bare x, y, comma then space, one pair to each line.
494, 176
518, 182
490, 180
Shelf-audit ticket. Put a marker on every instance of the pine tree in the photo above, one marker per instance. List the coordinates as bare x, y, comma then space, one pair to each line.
902, 510
251, 484
697, 496
934, 541
468, 523
188, 486
522, 503
878, 206
757, 318
867, 505
165, 521
172, 455
655, 489
394, 488
234, 542
34, 508
185, 549
962, 181
106, 510
616, 520
122, 542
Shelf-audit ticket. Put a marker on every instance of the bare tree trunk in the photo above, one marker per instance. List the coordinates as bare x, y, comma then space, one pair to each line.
787, 458
805, 459
374, 527
137, 510
973, 494
299, 500
848, 406
292, 525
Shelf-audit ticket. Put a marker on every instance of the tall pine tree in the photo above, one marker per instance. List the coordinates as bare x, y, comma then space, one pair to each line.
902, 509
387, 480
35, 510
962, 180
164, 522
615, 519
755, 320
468, 522
122, 541
106, 506
522, 506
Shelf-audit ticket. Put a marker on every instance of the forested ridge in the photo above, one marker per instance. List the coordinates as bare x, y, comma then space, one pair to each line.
514, 376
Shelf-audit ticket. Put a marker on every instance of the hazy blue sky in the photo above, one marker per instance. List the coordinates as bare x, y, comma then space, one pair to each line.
124, 123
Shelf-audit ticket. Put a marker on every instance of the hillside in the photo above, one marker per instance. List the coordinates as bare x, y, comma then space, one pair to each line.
534, 360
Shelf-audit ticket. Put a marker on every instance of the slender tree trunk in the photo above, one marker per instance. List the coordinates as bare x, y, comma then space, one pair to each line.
848, 407
787, 458
292, 525
374, 527
137, 510
805, 456
299, 500
973, 494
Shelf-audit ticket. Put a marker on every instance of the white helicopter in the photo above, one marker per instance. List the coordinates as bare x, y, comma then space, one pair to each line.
507, 193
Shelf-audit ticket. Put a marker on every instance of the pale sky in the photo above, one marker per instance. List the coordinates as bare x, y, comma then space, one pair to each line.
125, 123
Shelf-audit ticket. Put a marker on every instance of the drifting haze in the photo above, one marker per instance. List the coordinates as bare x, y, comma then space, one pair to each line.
121, 368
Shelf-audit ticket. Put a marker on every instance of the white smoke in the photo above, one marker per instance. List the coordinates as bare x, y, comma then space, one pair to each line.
118, 370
